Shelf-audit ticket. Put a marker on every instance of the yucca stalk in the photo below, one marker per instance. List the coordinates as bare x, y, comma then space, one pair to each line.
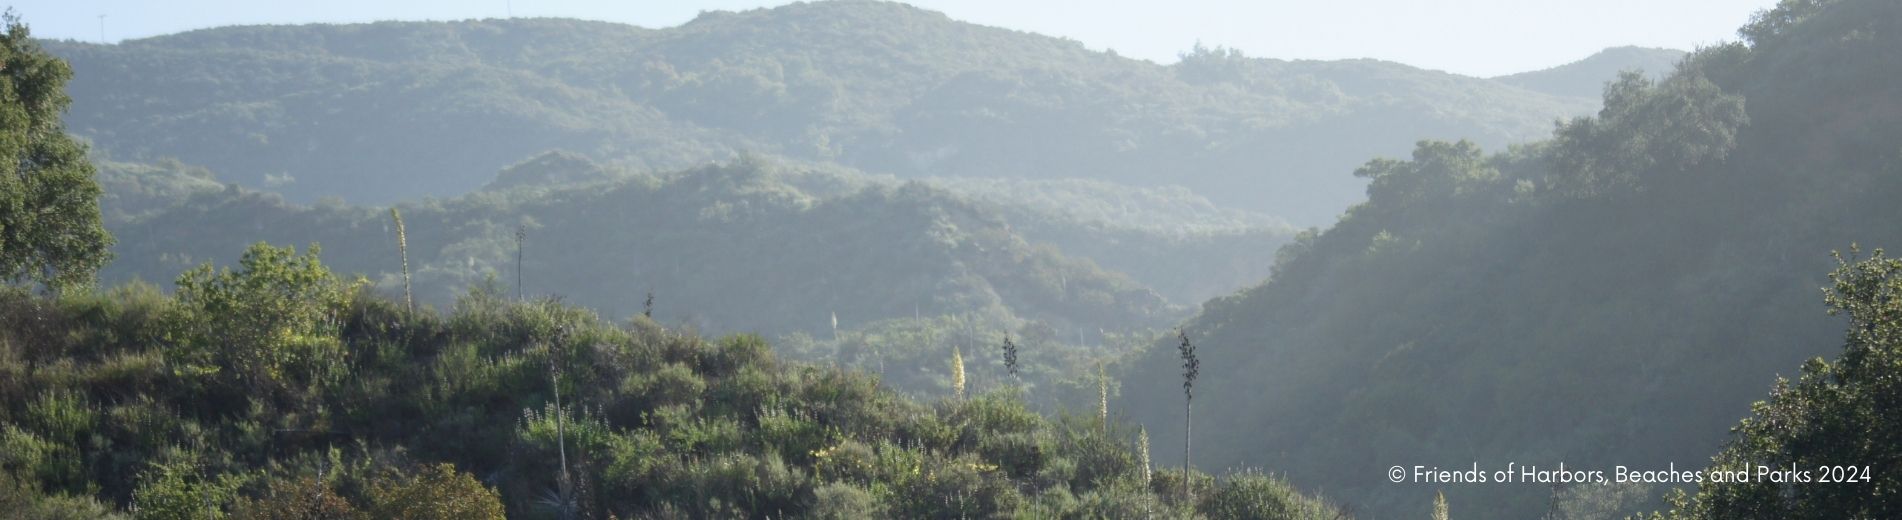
565, 480
1010, 357
402, 248
521, 233
957, 372
1142, 448
1191, 367
1102, 398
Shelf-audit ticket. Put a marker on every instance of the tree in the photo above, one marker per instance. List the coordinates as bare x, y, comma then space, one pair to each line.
1439, 506
278, 311
1645, 130
50, 231
1838, 414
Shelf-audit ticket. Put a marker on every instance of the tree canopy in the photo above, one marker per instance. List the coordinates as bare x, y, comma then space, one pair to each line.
50, 230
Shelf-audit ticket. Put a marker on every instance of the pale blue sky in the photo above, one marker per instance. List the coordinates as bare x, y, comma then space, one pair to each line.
1475, 37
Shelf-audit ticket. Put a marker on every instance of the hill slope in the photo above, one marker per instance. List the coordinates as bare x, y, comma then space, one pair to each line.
736, 247
390, 111
1587, 77
345, 405
1618, 295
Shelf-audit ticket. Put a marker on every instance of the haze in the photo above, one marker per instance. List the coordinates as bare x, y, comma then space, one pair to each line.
1474, 37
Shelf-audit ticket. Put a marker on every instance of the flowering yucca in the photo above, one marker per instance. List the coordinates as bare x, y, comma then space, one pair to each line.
402, 248
1191, 367
1142, 448
1102, 397
1010, 356
957, 372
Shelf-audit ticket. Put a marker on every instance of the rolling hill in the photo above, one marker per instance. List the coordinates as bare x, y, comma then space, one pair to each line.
384, 112
1588, 76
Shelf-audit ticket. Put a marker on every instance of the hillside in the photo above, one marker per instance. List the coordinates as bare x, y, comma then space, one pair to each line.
377, 113
1168, 238
1587, 77
734, 248
1073, 268
1619, 294
277, 390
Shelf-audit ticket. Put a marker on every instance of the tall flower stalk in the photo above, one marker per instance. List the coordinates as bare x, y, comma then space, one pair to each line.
1010, 357
1191, 367
957, 372
402, 248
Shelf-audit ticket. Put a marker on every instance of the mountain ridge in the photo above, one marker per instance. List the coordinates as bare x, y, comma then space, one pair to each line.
390, 111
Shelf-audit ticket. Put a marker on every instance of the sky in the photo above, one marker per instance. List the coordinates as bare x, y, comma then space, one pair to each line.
1472, 37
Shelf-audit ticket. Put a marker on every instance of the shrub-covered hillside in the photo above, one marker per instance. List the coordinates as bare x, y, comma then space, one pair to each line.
278, 390
749, 246
1619, 294
383, 112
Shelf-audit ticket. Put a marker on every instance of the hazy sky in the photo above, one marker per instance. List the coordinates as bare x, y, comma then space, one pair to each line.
1476, 37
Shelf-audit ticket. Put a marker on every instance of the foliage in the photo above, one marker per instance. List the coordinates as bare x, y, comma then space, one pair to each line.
50, 232
1837, 414
1476, 298
437, 492
180, 490
1260, 497
654, 422
21, 499
296, 499
272, 323
1646, 130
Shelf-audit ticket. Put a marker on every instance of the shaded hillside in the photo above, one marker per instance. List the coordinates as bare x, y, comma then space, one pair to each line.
1588, 76
902, 306
1170, 239
390, 111
733, 247
1617, 295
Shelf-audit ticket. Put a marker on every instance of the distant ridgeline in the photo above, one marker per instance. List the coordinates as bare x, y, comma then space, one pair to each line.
1618, 294
377, 113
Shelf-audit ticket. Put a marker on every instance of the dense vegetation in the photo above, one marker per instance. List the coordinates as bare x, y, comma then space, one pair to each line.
1837, 423
1611, 296
384, 112
277, 390
50, 232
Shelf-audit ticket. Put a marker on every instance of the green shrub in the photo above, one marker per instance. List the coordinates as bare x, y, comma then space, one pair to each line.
1252, 496
437, 492
180, 490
